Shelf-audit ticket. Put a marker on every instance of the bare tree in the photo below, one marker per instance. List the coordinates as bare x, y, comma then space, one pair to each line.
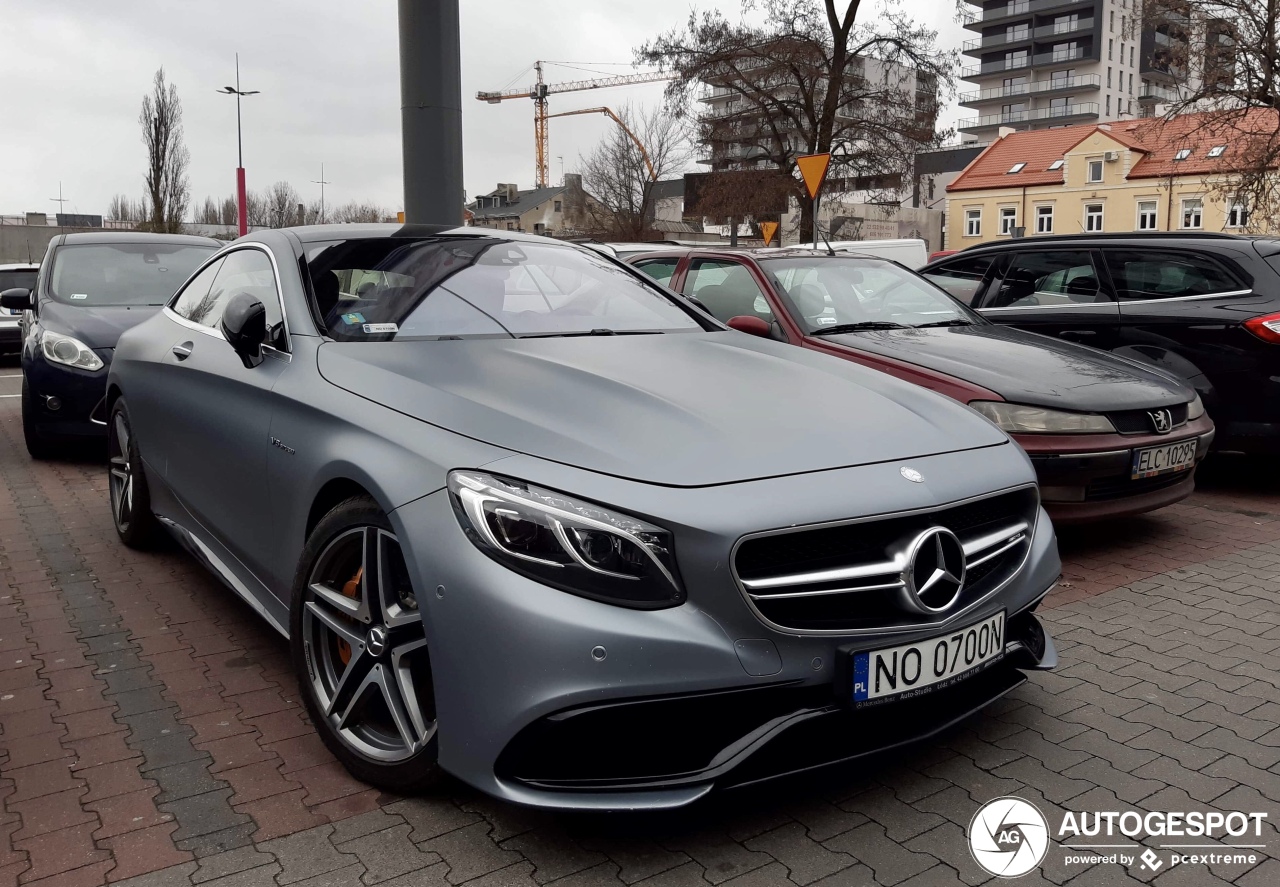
168, 190
122, 209
208, 213
805, 79
619, 175
356, 211
1221, 57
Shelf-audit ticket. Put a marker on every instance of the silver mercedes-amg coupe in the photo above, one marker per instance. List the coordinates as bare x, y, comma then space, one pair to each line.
529, 517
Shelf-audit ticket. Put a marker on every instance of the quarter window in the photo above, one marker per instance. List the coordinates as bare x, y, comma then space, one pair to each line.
1093, 217
1192, 212
973, 223
1146, 215
192, 300
1044, 219
660, 270
1045, 279
1153, 274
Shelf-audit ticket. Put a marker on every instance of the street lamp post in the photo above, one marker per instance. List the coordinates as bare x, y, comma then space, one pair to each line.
241, 204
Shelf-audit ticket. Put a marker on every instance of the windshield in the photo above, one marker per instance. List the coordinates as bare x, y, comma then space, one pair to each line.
100, 274
837, 293
381, 289
25, 278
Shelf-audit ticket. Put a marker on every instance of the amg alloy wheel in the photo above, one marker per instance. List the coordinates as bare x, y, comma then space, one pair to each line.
127, 483
362, 649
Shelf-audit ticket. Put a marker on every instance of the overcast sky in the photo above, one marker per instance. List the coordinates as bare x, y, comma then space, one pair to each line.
74, 73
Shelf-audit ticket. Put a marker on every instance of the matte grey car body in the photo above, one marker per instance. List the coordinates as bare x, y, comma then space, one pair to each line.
726, 444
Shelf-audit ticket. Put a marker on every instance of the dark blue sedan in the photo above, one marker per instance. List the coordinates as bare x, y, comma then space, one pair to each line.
91, 288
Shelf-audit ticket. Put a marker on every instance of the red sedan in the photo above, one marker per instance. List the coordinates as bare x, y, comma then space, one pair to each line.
1108, 436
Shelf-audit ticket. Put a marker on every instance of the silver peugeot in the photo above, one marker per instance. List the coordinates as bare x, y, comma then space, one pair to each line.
528, 517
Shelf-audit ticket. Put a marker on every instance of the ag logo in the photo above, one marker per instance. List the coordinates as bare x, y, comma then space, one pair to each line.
1008, 837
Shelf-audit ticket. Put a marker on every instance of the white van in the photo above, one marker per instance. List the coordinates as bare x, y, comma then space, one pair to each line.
911, 252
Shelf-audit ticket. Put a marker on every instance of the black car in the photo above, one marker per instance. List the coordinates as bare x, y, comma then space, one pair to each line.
1204, 306
90, 289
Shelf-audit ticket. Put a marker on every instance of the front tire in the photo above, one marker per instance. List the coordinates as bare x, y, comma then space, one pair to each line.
135, 524
38, 445
360, 650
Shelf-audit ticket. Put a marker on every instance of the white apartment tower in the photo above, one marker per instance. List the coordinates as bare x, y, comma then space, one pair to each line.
1048, 63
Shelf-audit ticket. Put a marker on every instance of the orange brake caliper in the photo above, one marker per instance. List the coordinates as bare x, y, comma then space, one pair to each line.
352, 590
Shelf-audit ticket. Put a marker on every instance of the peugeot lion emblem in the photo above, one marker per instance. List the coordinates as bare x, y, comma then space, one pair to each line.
911, 474
934, 572
1162, 420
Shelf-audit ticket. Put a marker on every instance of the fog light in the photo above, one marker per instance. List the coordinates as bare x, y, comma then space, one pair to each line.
53, 403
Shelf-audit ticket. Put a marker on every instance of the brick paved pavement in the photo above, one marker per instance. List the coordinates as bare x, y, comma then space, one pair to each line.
151, 733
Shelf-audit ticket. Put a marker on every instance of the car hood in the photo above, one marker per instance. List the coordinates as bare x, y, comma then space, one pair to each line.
97, 327
1025, 367
677, 409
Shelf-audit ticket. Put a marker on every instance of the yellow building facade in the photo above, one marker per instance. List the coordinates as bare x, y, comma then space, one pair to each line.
1095, 179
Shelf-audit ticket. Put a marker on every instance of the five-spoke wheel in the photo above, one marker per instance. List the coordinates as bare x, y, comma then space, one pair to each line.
363, 648
127, 482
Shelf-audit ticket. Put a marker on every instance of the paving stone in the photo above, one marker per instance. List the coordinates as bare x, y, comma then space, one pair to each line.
891, 862
553, 852
308, 853
717, 855
389, 853
233, 862
430, 820
470, 852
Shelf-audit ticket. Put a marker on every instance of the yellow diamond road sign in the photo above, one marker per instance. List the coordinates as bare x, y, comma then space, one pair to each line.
813, 168
769, 230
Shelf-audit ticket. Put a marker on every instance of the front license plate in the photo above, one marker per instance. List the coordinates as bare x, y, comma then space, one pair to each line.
913, 669
1164, 459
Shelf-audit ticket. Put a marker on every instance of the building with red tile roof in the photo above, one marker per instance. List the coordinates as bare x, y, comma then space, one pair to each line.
1132, 175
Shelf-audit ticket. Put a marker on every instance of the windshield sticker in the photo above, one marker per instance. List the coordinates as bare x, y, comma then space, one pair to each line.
381, 328
353, 318
79, 296
826, 320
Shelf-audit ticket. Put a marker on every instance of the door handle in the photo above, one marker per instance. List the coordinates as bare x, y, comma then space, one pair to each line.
182, 350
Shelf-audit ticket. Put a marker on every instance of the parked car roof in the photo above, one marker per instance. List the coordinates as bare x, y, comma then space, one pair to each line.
138, 237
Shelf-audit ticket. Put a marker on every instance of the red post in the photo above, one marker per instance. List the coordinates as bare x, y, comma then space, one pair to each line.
240, 202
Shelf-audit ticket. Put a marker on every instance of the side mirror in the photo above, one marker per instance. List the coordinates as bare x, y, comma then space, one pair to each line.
17, 299
244, 324
745, 323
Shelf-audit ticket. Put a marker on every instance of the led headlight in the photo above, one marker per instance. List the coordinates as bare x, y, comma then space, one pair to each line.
576, 546
1016, 418
1195, 409
68, 351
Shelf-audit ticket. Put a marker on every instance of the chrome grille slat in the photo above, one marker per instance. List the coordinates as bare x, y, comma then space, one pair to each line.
865, 592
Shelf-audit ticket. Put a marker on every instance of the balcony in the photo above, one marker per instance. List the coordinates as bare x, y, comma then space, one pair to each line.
997, 67
1021, 9
1059, 115
1155, 94
1059, 56
1025, 35
1043, 87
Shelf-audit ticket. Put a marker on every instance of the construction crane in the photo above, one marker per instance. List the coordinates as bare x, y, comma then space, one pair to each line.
644, 155
539, 92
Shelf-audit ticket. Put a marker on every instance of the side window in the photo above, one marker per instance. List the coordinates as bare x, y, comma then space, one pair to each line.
243, 271
727, 289
1046, 279
1147, 274
659, 269
193, 298
961, 277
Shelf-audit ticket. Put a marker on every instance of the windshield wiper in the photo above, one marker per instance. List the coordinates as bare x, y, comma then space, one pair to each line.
857, 327
955, 321
596, 332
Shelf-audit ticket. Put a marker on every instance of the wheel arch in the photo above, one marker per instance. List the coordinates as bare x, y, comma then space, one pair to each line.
334, 491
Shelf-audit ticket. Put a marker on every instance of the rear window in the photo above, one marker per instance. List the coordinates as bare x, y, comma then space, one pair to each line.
100, 274
24, 279
1141, 275
379, 289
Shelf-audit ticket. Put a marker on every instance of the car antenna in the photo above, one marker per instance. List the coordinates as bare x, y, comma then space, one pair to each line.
830, 250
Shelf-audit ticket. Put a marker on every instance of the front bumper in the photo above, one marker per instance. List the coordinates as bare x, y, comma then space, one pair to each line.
1085, 477
527, 677
80, 398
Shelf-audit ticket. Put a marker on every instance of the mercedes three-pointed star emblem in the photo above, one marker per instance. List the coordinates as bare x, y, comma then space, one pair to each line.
933, 576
